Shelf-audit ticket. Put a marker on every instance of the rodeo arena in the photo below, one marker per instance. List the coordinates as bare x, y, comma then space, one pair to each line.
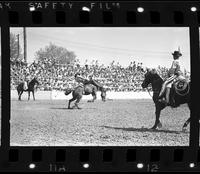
124, 118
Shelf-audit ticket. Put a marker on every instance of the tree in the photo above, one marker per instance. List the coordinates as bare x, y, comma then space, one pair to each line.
15, 54
55, 54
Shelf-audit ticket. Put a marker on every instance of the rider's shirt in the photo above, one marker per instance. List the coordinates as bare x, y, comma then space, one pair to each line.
174, 73
175, 68
27, 78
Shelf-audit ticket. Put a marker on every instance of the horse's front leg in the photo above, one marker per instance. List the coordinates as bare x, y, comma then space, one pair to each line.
33, 95
157, 113
19, 95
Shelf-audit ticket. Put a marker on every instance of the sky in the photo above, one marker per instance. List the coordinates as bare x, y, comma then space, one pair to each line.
152, 46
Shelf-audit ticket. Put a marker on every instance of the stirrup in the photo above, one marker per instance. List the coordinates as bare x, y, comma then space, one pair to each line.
161, 99
164, 102
172, 104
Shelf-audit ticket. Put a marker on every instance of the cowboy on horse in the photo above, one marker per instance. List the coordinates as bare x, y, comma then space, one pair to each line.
26, 82
85, 81
85, 87
174, 74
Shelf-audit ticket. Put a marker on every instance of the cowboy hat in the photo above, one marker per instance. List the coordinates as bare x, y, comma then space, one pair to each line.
90, 75
177, 53
77, 74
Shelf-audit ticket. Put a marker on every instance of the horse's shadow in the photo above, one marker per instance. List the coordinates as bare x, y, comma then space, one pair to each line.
66, 108
143, 130
59, 108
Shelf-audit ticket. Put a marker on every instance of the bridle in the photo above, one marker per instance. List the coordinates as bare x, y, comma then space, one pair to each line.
154, 91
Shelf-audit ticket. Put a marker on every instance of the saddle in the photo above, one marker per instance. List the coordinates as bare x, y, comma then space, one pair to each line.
93, 82
80, 79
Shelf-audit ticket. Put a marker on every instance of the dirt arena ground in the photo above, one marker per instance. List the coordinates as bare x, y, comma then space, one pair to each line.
111, 123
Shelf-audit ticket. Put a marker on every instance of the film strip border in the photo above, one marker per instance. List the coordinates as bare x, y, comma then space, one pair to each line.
101, 159
108, 13
54, 14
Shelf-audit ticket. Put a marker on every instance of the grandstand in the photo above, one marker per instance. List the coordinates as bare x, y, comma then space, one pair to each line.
59, 77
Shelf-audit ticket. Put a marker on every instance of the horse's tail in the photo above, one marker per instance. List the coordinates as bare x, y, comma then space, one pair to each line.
68, 91
18, 90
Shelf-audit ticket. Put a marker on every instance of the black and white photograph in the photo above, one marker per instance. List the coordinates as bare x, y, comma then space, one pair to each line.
0, 84
199, 54
100, 86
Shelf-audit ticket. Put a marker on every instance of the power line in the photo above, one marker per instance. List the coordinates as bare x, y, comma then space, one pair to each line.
103, 47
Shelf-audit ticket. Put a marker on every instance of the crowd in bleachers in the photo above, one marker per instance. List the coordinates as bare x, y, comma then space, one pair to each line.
52, 76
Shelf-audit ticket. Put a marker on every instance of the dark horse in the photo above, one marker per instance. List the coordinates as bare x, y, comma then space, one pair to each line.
31, 85
88, 89
151, 77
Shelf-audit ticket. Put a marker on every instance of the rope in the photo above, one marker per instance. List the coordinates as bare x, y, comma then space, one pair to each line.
180, 93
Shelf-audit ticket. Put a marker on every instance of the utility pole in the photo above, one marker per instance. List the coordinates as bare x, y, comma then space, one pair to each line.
25, 45
17, 46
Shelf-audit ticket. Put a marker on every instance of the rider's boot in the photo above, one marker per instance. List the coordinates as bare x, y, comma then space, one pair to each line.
83, 90
163, 100
162, 91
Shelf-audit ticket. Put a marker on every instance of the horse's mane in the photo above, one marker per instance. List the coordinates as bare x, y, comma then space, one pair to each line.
158, 77
157, 81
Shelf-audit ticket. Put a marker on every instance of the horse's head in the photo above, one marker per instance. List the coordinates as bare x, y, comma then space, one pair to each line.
35, 81
67, 91
149, 77
103, 94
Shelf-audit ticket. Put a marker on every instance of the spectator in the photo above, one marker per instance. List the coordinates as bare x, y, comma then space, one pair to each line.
54, 76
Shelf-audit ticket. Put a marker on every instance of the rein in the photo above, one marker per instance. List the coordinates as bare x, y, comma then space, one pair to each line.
149, 92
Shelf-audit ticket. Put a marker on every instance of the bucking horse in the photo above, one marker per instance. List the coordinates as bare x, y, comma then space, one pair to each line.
87, 89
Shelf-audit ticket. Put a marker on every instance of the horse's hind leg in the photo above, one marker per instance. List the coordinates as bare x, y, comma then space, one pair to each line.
188, 120
77, 101
94, 97
71, 100
185, 125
